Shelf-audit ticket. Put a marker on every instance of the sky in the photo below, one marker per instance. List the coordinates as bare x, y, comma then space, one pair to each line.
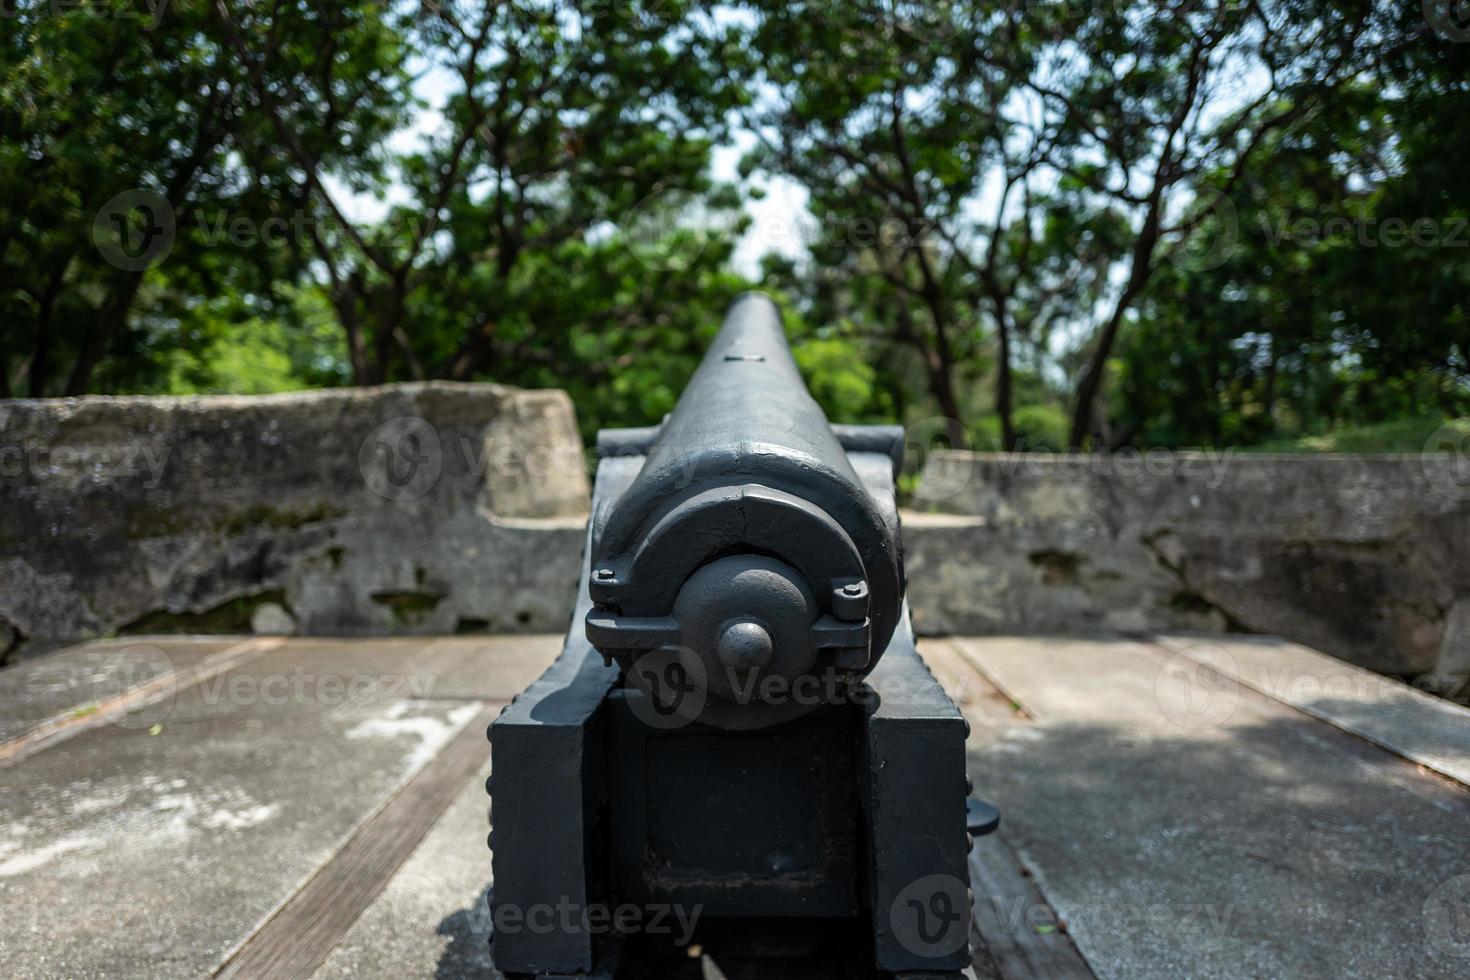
777, 216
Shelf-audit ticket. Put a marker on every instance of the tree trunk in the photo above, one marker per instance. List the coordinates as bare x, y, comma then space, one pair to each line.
1269, 397
471, 355
941, 381
40, 365
940, 359
112, 315
1091, 380
344, 301
939, 368
405, 346
897, 390
1003, 387
388, 326
40, 368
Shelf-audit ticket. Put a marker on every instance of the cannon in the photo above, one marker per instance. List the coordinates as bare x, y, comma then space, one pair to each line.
738, 756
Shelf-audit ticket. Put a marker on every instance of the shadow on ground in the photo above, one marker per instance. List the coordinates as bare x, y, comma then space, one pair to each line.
1276, 847
467, 954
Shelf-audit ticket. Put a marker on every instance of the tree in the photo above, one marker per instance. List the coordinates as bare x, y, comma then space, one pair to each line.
1037, 160
1151, 98
97, 191
1015, 206
887, 117
1343, 297
560, 117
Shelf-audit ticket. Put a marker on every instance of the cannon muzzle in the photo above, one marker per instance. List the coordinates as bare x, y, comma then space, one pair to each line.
748, 575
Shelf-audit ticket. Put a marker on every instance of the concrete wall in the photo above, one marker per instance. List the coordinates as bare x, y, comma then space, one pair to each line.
1363, 557
459, 508
407, 508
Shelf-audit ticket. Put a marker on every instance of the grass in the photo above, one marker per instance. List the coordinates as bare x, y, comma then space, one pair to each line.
1399, 436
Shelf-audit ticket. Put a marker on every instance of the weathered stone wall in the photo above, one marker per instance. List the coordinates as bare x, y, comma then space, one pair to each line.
442, 508
406, 508
1363, 557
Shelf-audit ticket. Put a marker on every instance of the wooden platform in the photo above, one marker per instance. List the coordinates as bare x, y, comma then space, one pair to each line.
1176, 806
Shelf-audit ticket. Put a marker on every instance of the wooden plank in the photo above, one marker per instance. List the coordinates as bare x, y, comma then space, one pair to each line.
1022, 934
1428, 730
167, 847
159, 687
978, 697
297, 938
431, 920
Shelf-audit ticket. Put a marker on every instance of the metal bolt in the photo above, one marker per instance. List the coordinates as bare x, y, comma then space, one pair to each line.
603, 574
854, 589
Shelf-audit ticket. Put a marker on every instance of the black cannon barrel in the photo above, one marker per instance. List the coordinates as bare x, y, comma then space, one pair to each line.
747, 567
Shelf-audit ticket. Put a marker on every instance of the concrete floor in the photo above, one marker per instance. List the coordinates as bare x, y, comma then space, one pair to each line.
1177, 806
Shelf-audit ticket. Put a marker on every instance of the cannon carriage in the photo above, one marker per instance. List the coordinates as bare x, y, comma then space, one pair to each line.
739, 733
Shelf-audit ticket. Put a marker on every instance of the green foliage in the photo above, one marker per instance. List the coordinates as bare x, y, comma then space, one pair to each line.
121, 178
221, 348
1411, 435
1016, 225
1342, 299
840, 379
1042, 427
